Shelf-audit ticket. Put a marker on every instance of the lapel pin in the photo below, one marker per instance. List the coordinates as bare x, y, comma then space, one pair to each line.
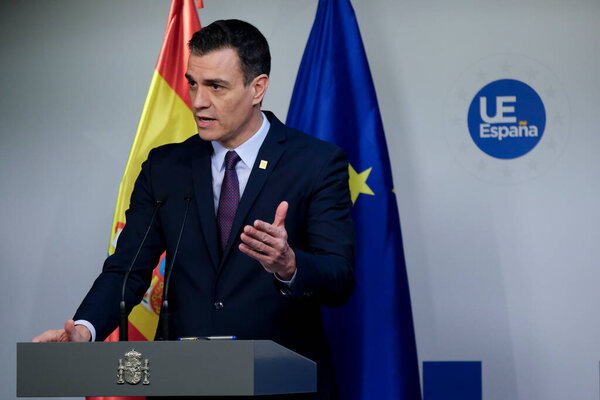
263, 164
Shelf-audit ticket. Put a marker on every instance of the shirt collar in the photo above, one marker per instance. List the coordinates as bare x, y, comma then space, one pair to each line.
248, 151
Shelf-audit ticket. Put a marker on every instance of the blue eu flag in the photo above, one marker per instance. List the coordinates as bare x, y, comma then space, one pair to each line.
372, 336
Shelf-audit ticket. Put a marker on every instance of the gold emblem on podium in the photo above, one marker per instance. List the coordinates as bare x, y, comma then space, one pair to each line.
133, 370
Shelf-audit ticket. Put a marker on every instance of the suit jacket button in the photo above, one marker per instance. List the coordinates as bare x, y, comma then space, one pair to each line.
219, 305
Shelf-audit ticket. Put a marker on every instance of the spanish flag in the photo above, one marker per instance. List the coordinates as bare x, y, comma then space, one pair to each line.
166, 118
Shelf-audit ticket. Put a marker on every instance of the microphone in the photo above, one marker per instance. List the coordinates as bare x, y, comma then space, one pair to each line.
164, 311
123, 326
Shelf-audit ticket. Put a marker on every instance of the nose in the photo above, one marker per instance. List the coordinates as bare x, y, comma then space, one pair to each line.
199, 98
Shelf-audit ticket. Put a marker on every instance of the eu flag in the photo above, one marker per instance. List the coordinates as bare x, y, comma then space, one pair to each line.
334, 99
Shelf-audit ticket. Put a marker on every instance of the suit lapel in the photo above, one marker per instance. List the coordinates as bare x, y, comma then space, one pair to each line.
270, 151
202, 178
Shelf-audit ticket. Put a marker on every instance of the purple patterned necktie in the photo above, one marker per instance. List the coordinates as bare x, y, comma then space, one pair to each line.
229, 199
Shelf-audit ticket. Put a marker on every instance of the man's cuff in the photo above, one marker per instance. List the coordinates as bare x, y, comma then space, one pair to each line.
287, 283
89, 326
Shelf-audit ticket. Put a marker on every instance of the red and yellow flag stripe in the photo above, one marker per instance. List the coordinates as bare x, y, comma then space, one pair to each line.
166, 118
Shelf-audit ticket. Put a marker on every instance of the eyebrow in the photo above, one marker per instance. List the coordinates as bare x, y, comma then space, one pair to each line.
215, 81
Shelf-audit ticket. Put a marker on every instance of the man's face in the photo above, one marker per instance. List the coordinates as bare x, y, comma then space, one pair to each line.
225, 110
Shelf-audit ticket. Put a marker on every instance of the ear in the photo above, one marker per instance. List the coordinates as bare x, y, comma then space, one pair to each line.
259, 86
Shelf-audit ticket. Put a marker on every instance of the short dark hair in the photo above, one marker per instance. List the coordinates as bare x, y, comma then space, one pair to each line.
251, 46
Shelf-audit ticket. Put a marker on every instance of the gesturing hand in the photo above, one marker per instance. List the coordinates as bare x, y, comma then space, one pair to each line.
71, 333
267, 243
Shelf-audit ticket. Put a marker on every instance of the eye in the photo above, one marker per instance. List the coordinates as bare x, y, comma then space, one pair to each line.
216, 86
191, 83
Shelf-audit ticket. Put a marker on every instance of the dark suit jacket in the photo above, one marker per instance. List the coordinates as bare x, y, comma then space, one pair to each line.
231, 294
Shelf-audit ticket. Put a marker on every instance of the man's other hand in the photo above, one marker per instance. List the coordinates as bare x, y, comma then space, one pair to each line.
267, 243
70, 333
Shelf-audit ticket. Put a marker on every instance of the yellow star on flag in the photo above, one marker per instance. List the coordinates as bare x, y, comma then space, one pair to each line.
358, 183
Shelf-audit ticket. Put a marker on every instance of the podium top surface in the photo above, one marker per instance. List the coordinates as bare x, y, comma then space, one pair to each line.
170, 368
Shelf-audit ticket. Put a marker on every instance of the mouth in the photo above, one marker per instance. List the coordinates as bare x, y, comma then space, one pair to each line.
204, 122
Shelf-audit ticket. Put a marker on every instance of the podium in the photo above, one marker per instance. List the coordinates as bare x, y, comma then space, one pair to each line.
169, 368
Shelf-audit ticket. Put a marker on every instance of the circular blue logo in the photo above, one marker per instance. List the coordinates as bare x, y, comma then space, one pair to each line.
506, 119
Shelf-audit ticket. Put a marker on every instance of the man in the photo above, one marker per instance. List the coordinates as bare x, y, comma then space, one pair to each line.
235, 273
